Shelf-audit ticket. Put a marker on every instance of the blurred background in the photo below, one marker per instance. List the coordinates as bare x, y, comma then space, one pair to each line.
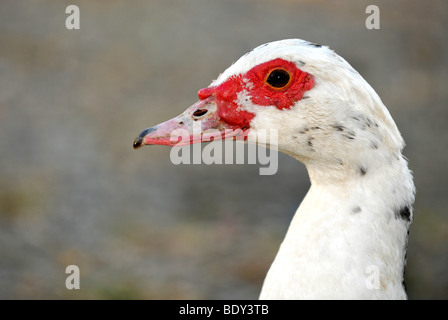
73, 191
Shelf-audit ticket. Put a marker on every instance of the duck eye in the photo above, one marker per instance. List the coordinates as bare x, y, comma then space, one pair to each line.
278, 78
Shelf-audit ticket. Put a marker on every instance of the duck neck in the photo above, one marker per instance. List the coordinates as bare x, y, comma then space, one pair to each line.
348, 238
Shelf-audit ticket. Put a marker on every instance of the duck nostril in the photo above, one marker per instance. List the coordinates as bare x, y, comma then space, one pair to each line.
200, 112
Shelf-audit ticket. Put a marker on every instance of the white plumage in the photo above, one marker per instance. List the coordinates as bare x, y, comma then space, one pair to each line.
348, 238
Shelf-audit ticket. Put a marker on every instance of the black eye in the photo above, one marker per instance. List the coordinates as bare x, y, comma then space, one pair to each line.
278, 78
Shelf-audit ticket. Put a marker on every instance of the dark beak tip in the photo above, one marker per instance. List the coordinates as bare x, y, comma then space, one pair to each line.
137, 143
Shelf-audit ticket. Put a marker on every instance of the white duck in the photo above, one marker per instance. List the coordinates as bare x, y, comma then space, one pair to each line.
348, 238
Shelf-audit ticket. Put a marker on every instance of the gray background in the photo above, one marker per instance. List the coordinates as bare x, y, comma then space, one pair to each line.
73, 191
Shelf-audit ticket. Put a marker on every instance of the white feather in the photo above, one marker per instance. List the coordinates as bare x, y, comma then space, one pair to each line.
353, 219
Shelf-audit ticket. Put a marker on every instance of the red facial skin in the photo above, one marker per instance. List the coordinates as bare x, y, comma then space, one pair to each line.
227, 115
259, 91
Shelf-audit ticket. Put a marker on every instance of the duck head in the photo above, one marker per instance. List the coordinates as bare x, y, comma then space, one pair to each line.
324, 112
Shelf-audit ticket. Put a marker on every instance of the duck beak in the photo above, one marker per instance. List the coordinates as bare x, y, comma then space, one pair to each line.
199, 123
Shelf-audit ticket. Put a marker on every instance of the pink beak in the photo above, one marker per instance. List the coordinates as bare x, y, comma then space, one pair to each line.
199, 123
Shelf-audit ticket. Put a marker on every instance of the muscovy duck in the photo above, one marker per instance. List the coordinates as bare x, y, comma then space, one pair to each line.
348, 238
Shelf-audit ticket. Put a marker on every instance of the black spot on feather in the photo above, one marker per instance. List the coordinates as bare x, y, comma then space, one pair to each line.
338, 127
362, 170
315, 45
310, 141
350, 135
404, 213
356, 209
